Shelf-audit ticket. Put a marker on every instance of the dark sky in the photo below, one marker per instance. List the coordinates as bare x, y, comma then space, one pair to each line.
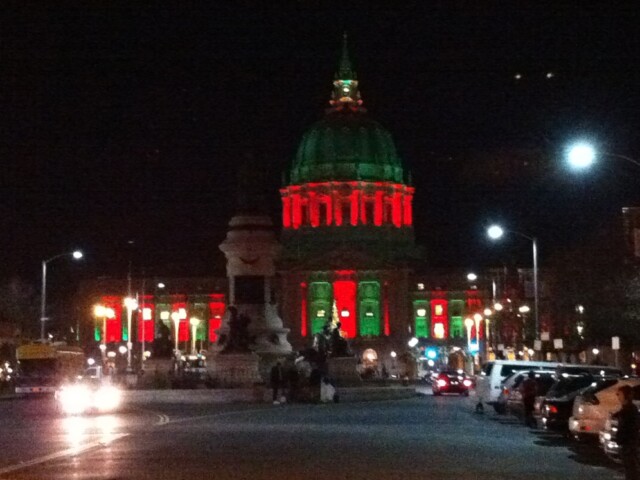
122, 123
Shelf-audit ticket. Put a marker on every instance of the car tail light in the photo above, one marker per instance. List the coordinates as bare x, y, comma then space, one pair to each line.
466, 382
552, 409
505, 390
442, 382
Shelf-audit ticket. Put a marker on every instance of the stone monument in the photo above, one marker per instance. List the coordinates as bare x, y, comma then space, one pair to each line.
251, 337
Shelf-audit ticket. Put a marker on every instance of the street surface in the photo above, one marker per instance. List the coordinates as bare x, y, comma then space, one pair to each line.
423, 438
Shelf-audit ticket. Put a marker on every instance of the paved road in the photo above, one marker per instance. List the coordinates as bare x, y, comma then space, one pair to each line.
426, 437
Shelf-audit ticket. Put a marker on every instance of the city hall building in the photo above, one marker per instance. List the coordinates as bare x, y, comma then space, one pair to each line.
347, 244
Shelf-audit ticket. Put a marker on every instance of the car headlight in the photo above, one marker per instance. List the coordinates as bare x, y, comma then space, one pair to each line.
107, 399
74, 399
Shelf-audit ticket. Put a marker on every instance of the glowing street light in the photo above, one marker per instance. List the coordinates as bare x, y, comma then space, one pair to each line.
583, 155
194, 326
413, 342
130, 304
495, 232
175, 316
469, 323
497, 307
488, 312
77, 255
524, 309
472, 277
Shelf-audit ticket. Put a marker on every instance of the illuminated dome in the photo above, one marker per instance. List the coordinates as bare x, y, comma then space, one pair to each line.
346, 145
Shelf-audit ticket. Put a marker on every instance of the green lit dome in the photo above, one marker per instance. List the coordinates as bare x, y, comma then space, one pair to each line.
346, 145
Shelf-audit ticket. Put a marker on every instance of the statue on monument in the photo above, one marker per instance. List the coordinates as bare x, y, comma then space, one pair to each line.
330, 342
238, 339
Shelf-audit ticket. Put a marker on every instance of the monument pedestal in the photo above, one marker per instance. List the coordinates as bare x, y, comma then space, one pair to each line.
235, 369
344, 371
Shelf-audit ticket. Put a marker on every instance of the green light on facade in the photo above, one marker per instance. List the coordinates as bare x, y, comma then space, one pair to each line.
421, 318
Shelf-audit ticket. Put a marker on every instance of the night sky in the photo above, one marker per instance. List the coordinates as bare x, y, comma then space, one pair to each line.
124, 123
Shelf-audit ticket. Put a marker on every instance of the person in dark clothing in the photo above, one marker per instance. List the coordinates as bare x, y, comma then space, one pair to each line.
293, 379
277, 380
528, 390
627, 436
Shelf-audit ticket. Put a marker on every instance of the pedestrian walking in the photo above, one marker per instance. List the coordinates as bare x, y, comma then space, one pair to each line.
528, 389
627, 435
277, 381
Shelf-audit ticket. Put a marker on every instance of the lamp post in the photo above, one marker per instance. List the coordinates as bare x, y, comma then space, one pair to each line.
468, 322
495, 232
77, 254
175, 316
194, 327
130, 304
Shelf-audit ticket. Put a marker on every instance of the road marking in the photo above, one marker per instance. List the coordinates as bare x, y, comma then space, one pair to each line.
69, 452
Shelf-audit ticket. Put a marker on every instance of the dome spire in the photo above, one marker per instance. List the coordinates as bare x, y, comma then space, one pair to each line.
345, 69
345, 84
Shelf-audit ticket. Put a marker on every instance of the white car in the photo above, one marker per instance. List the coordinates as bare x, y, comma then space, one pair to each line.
592, 408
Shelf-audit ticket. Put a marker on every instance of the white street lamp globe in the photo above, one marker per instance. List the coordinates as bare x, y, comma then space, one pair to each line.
472, 276
413, 342
122, 349
495, 232
581, 155
77, 254
497, 306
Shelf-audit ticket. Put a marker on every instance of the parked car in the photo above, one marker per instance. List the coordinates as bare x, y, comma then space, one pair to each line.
450, 381
508, 384
557, 405
544, 380
489, 382
608, 439
591, 409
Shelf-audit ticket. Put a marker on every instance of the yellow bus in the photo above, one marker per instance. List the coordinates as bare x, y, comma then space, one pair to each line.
43, 367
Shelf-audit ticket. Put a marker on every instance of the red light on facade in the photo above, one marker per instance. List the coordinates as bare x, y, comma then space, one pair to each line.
113, 325
217, 308
146, 320
286, 212
439, 316
344, 292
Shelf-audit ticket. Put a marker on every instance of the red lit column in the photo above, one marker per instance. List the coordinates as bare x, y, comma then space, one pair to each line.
377, 212
296, 213
314, 214
337, 208
355, 204
327, 200
397, 209
407, 209
286, 210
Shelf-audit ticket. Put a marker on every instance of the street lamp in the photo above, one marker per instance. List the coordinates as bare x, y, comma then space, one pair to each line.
130, 304
582, 155
194, 326
495, 232
175, 316
77, 255
468, 322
